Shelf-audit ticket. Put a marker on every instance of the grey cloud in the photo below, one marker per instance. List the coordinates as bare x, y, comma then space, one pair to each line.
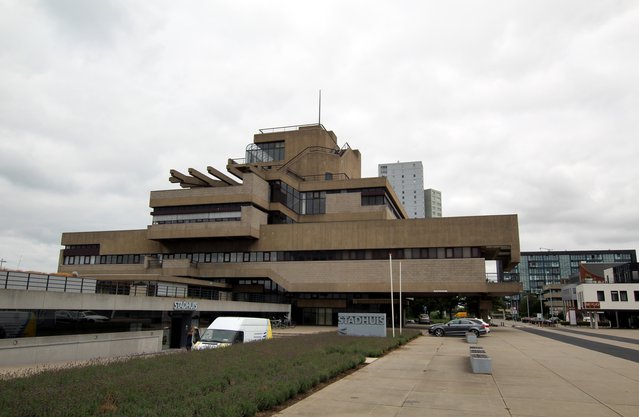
87, 21
515, 107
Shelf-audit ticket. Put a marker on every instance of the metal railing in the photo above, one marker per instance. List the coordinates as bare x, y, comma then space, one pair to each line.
289, 128
325, 177
494, 277
18, 280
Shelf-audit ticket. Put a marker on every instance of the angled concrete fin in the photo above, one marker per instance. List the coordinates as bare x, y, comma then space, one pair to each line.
221, 176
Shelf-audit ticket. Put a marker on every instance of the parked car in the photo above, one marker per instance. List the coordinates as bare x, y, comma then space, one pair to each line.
91, 316
482, 323
458, 327
424, 319
66, 317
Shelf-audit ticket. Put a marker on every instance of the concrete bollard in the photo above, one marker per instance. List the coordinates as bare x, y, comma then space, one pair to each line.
481, 363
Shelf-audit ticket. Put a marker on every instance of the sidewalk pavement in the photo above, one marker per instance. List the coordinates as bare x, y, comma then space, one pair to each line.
531, 376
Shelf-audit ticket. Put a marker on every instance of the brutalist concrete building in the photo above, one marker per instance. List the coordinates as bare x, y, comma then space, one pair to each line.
294, 222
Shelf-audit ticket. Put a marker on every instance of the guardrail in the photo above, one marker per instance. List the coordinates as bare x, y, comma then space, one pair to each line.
17, 280
289, 128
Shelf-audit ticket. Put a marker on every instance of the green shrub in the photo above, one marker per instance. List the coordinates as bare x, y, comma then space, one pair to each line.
236, 381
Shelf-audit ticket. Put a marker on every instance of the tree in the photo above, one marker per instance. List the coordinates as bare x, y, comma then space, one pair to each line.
529, 303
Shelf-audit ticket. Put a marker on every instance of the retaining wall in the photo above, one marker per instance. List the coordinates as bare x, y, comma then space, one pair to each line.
55, 349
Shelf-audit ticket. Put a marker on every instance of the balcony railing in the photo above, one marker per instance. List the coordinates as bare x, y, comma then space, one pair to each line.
17, 280
289, 128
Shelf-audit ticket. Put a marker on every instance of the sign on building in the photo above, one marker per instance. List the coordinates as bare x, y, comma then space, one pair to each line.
361, 324
185, 306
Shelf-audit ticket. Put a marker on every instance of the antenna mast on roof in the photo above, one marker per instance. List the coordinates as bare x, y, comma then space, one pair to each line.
319, 118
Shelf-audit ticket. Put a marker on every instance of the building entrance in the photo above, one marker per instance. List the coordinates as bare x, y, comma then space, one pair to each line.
180, 323
319, 316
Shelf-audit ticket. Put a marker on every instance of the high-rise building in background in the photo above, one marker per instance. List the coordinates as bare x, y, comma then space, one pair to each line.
538, 269
407, 179
432, 203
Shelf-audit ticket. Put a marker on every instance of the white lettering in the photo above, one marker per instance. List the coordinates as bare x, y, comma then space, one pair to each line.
185, 305
362, 324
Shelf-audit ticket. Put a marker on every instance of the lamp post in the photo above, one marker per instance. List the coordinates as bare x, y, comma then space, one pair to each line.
541, 306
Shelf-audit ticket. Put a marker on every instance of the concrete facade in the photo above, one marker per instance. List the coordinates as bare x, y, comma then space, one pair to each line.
72, 348
300, 224
46, 300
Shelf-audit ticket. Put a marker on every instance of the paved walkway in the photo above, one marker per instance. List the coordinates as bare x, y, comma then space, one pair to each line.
532, 376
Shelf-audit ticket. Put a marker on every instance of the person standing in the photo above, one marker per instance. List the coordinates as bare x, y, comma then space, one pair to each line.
189, 338
196, 336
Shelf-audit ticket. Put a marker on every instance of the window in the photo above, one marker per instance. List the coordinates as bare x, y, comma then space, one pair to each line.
601, 296
636, 295
614, 295
624, 295
264, 152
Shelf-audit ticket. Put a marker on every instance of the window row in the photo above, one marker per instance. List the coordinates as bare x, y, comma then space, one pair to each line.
264, 152
282, 256
89, 246
197, 208
542, 264
336, 255
103, 259
312, 202
269, 286
198, 220
616, 295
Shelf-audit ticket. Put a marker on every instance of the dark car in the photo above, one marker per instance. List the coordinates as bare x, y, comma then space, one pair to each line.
457, 327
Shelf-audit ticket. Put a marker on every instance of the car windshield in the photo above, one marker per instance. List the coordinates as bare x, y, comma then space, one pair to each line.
220, 336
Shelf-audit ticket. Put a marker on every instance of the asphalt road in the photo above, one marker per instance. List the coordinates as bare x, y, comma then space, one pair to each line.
620, 352
603, 336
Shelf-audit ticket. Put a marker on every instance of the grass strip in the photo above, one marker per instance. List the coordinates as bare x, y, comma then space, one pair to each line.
237, 381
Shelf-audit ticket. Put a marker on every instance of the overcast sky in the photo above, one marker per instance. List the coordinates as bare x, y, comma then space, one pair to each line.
513, 107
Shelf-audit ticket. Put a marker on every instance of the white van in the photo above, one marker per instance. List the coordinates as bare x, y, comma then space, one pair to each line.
225, 331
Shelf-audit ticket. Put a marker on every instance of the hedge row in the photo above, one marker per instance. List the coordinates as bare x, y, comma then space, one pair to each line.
236, 381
